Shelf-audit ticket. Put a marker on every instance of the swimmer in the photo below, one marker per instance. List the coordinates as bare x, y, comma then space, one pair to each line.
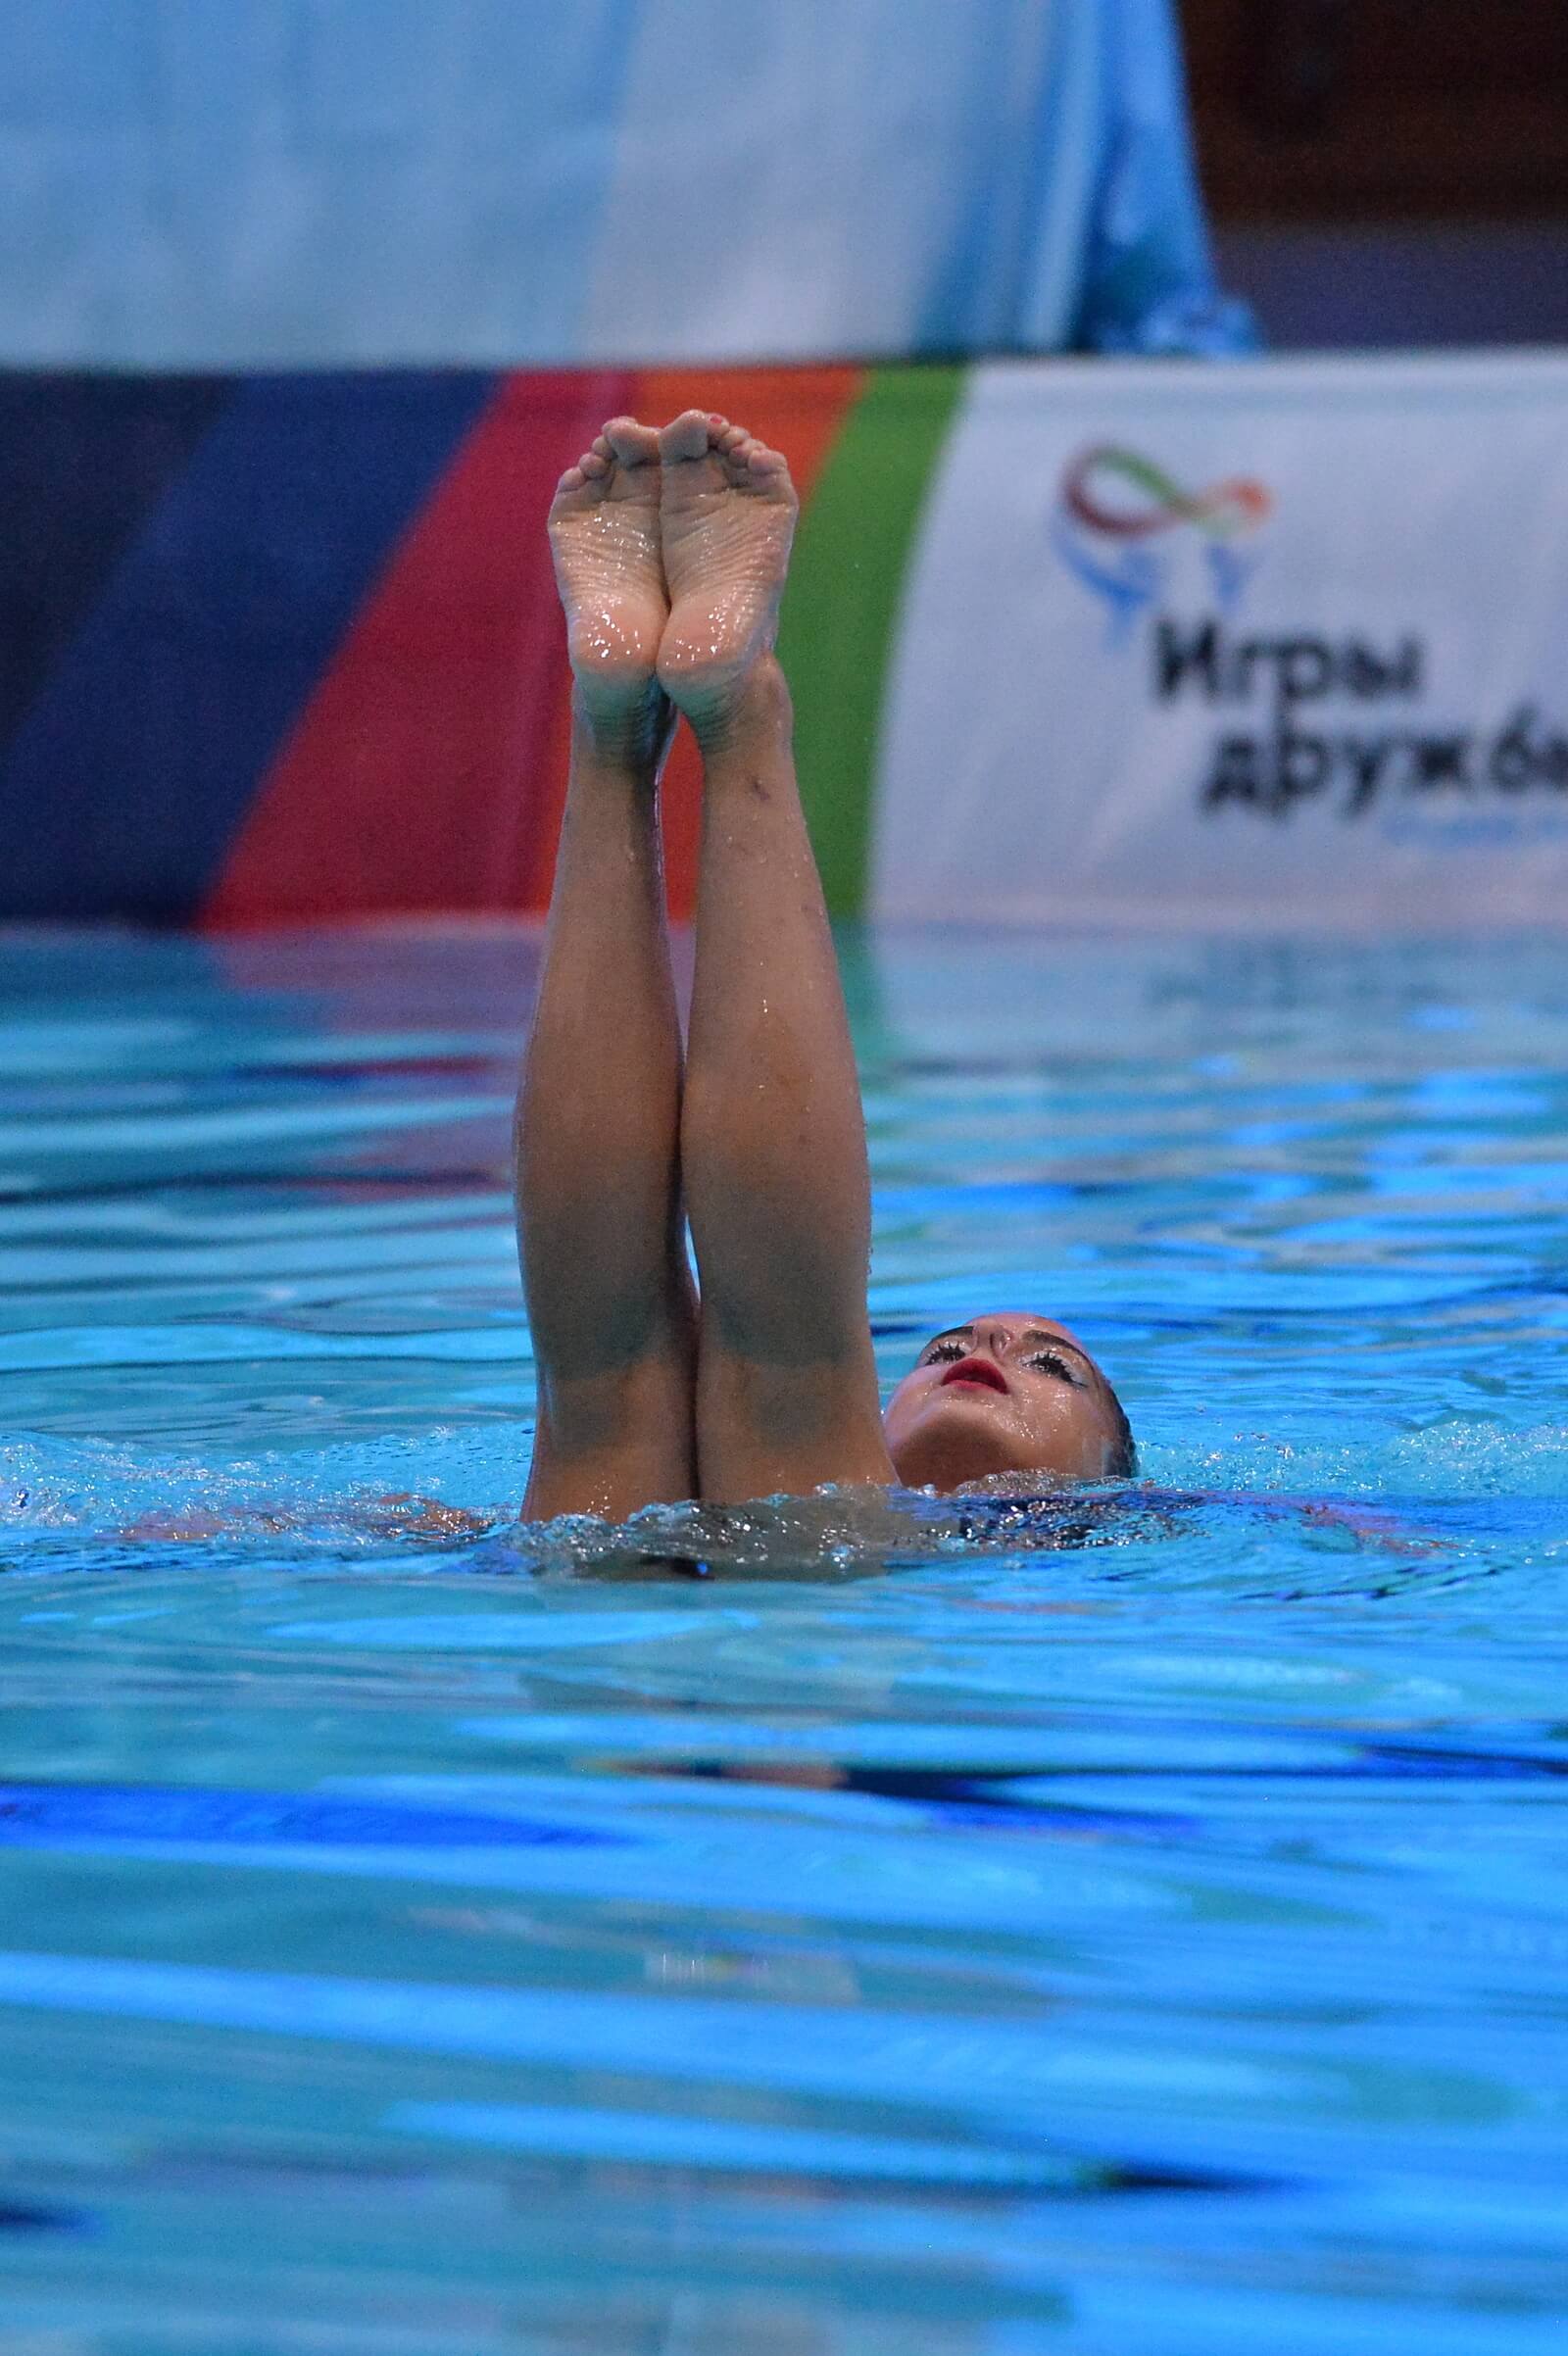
670, 552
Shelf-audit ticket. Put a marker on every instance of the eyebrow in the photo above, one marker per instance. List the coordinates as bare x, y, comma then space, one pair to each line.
1032, 1333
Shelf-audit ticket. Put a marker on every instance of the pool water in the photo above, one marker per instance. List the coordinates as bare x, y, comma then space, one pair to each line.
415, 1940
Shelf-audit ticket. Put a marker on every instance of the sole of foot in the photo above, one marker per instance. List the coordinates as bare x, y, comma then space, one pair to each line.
727, 510
605, 537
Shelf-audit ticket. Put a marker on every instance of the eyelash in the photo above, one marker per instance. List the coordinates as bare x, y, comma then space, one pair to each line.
1040, 1357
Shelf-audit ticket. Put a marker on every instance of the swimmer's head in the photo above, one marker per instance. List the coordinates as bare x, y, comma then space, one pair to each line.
1010, 1392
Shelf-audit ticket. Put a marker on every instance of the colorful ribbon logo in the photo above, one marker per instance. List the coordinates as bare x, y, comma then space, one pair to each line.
1129, 576
1223, 512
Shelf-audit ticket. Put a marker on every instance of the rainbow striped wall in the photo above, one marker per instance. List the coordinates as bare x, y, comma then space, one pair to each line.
1277, 643
279, 649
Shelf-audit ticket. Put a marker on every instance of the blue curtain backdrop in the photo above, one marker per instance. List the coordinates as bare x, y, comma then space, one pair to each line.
210, 184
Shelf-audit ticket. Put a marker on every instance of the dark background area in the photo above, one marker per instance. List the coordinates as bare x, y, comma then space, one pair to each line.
1386, 172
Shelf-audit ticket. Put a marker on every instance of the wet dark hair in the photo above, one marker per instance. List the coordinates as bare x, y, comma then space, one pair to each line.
1123, 1465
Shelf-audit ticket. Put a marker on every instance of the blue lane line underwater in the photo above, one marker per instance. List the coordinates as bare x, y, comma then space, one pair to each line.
41, 1815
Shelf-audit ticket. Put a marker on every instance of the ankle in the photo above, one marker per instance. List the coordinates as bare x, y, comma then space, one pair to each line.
754, 703
624, 732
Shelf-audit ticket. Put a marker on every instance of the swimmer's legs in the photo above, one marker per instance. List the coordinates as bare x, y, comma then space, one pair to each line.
772, 1139
600, 1223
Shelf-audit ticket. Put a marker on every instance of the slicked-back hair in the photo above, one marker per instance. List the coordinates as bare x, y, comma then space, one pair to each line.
1123, 1465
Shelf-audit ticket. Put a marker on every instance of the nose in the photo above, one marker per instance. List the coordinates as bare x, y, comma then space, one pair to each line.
991, 1336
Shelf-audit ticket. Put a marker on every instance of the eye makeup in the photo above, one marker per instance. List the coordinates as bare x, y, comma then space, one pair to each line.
1056, 1358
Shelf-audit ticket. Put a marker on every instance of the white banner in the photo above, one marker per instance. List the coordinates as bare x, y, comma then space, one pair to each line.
1279, 642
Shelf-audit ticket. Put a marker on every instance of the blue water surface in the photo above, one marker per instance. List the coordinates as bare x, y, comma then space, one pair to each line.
1138, 1932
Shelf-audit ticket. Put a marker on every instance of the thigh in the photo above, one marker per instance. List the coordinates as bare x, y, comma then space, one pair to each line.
766, 1429
609, 1442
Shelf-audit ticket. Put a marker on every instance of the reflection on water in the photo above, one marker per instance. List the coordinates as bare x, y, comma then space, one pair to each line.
845, 1927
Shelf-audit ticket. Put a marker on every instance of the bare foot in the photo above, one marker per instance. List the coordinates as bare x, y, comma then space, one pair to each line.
605, 539
727, 514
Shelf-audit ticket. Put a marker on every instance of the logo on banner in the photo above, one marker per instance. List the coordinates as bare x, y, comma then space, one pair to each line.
1121, 519
1304, 715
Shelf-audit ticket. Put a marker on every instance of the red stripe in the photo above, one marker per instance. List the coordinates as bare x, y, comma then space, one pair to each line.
423, 774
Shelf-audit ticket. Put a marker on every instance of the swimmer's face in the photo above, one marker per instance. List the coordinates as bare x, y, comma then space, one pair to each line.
1009, 1393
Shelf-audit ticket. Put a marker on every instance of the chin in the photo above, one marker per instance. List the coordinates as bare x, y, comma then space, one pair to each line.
948, 1452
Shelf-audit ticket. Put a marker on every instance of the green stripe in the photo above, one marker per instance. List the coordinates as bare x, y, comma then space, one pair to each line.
841, 609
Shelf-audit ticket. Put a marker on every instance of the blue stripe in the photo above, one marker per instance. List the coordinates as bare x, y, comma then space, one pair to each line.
84, 461
37, 1815
125, 784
